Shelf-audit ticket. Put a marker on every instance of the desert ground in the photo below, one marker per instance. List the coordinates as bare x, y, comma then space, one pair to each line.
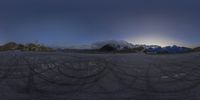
79, 76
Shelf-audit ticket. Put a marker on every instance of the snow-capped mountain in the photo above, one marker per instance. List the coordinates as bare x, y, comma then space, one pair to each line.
119, 45
124, 45
168, 49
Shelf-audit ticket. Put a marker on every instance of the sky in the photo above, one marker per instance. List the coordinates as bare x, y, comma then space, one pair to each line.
65, 23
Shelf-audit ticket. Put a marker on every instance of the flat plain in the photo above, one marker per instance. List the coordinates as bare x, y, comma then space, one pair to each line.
79, 76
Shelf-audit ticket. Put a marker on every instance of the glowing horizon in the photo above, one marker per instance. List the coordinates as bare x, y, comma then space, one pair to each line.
155, 40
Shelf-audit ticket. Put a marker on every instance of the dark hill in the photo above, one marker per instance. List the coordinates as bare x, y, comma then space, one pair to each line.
25, 47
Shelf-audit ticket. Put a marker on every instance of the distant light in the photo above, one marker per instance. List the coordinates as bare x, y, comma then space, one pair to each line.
154, 40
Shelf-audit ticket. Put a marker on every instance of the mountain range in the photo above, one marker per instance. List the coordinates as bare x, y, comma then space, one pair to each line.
113, 45
120, 45
102, 46
25, 47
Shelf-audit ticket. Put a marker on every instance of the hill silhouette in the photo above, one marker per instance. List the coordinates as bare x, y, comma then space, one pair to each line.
196, 49
25, 47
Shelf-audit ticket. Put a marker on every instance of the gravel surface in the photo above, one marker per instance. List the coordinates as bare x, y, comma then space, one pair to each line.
74, 76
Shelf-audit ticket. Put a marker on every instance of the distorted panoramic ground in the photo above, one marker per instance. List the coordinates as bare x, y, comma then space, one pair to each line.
76, 76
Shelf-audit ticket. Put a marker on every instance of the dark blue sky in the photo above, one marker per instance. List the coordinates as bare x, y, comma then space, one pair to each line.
76, 22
